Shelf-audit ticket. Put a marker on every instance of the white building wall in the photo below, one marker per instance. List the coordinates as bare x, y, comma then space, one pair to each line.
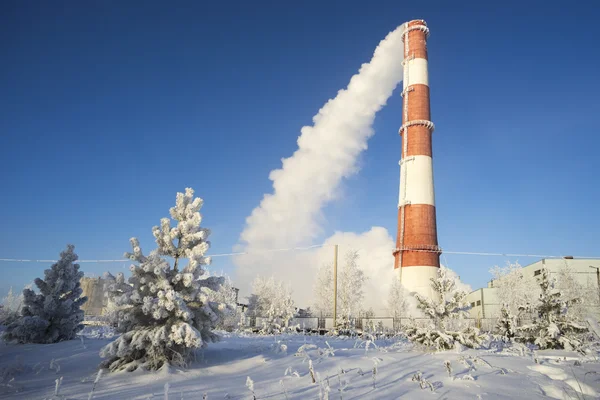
485, 303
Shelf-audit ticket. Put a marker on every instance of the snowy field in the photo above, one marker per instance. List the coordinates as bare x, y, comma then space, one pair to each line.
279, 368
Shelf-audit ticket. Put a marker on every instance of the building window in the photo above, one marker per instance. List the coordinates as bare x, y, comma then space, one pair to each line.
473, 304
478, 302
536, 273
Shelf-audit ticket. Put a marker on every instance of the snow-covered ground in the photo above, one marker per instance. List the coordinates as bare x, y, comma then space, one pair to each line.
221, 371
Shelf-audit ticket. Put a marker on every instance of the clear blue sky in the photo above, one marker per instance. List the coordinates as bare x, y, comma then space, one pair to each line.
108, 109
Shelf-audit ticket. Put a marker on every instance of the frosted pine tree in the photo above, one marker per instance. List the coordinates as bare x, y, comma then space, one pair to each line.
506, 324
171, 310
552, 327
272, 301
449, 304
55, 313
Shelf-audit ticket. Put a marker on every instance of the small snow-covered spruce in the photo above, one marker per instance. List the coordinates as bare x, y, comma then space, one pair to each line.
171, 309
271, 300
449, 304
506, 324
553, 327
55, 313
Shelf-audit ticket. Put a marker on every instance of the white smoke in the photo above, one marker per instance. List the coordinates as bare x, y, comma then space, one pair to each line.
308, 180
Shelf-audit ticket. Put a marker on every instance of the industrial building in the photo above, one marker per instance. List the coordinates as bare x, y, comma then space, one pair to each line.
93, 289
485, 303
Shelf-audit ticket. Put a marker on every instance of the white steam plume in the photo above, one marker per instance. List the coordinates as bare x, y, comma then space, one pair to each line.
327, 152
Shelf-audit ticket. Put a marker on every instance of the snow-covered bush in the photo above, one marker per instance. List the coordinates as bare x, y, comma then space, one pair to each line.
10, 309
227, 294
272, 301
116, 312
171, 310
449, 304
552, 327
55, 313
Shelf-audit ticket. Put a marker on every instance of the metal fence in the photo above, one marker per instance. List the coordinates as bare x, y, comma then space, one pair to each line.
384, 324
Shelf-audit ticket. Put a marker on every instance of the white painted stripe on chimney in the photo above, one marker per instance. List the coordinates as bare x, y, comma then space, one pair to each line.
419, 181
417, 279
416, 72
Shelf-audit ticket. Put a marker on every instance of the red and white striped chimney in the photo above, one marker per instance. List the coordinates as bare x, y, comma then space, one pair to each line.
417, 255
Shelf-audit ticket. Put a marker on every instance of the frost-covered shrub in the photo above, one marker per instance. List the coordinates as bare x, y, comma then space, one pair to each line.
55, 313
116, 312
272, 301
172, 309
10, 309
553, 327
449, 304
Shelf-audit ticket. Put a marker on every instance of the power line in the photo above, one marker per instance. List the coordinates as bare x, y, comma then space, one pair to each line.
208, 255
256, 252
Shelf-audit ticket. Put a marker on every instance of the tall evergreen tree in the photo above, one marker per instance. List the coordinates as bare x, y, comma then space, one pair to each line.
55, 313
552, 327
169, 311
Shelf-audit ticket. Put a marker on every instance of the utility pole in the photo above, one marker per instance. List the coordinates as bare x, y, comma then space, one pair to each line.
597, 279
335, 255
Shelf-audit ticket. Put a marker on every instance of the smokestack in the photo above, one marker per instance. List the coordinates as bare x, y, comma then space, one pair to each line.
417, 255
